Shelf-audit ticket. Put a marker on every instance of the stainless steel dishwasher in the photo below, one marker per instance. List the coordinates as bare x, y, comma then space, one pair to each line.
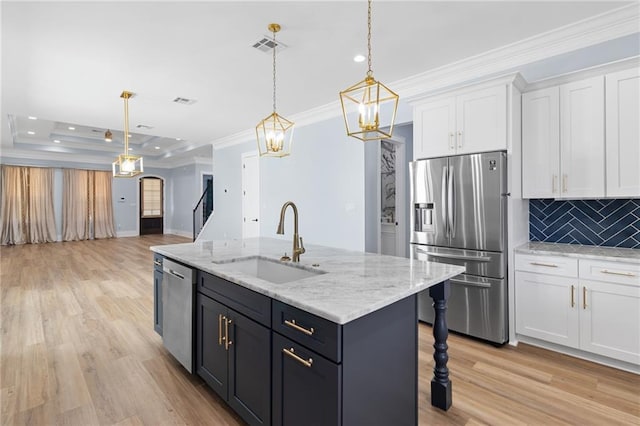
177, 308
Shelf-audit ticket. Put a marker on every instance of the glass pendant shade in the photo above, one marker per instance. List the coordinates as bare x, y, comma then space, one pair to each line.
275, 136
369, 107
274, 133
127, 165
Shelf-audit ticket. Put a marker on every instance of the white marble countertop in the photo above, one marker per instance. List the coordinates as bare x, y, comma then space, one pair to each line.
614, 254
353, 285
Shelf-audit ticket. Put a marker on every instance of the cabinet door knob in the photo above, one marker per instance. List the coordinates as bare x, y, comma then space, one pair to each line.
290, 352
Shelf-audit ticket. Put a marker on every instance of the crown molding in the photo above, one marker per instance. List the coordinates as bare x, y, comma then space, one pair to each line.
98, 162
587, 32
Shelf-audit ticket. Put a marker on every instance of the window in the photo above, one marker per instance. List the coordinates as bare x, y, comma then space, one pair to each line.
151, 197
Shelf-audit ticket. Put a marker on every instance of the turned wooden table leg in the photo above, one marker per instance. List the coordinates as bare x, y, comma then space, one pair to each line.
440, 384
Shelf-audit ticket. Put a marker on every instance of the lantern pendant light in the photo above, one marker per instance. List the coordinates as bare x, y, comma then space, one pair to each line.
369, 106
127, 165
274, 133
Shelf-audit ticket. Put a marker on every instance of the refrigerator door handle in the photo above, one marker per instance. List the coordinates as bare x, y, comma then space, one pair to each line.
454, 256
469, 283
451, 206
443, 209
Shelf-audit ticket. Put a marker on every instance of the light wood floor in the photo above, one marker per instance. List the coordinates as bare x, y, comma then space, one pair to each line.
78, 348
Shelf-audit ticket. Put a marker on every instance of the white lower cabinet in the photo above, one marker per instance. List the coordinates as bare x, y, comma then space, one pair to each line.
594, 307
544, 309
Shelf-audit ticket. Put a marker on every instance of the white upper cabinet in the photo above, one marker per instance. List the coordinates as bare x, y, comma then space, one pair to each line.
468, 122
623, 133
582, 138
434, 129
563, 141
541, 143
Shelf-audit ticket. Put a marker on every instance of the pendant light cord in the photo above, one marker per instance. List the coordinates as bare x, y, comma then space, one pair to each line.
126, 124
274, 71
370, 71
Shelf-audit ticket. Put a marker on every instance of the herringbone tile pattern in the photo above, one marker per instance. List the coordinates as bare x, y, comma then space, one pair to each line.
612, 223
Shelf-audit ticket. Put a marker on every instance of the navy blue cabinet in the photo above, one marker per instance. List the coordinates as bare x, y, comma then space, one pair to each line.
306, 386
233, 356
157, 293
364, 372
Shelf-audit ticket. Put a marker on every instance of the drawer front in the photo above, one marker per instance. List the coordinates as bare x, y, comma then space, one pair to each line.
615, 272
317, 334
157, 261
550, 265
249, 303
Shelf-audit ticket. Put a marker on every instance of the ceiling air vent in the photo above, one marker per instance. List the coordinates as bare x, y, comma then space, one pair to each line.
266, 44
184, 101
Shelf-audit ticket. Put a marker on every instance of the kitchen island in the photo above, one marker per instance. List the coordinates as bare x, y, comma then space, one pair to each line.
329, 340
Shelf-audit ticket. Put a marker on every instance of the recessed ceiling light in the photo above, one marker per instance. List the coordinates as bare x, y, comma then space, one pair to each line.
31, 117
31, 133
71, 128
56, 141
359, 58
178, 139
157, 147
130, 149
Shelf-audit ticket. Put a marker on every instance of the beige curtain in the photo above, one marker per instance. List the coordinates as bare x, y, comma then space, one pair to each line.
87, 205
26, 208
103, 221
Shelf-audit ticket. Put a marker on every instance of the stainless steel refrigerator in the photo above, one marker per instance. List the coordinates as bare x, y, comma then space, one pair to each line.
459, 216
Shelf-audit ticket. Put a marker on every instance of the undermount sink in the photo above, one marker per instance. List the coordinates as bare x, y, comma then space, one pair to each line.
272, 270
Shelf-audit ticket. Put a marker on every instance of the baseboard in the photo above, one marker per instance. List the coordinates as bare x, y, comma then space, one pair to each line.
610, 362
179, 232
121, 234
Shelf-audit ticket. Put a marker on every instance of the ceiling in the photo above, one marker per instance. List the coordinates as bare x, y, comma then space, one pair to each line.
66, 64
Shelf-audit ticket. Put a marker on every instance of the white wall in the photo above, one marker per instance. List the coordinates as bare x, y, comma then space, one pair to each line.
324, 177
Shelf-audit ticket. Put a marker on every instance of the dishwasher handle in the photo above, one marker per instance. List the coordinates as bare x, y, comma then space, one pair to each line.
175, 274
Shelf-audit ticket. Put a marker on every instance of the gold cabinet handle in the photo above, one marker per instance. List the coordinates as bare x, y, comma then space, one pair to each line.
220, 329
451, 143
624, 274
292, 354
584, 298
573, 299
459, 138
564, 183
227, 341
292, 324
554, 183
548, 265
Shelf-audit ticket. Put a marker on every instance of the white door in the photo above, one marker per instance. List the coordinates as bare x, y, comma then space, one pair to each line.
541, 143
393, 226
623, 133
250, 195
582, 138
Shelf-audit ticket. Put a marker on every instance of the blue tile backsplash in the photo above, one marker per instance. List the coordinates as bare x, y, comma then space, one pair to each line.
612, 223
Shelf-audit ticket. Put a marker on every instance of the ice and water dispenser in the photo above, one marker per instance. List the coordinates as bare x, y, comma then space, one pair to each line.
423, 217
